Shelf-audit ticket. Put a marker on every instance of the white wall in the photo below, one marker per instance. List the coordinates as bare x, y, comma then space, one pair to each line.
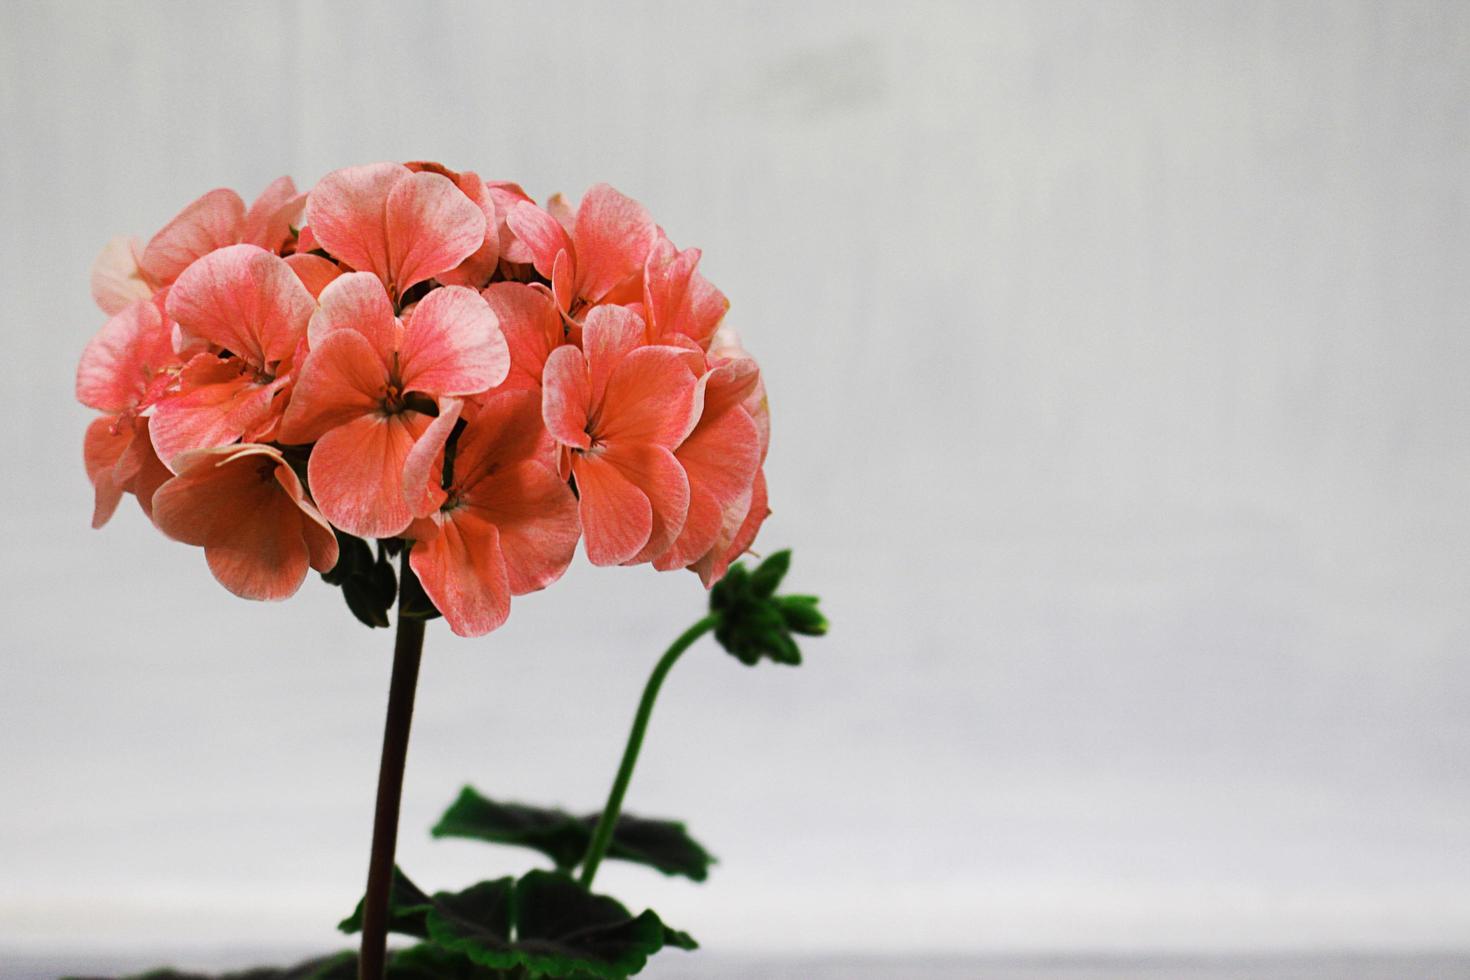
1118, 357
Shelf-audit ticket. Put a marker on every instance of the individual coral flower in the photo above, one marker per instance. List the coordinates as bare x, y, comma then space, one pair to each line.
597, 258
402, 226
677, 299
373, 387
619, 409
252, 310
121, 371
508, 524
247, 509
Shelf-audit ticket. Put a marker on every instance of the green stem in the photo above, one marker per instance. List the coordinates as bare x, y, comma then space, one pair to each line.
602, 836
408, 649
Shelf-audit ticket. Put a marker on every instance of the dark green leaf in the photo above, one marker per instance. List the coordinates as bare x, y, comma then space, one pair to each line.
561, 930
341, 966
802, 615
563, 837
407, 907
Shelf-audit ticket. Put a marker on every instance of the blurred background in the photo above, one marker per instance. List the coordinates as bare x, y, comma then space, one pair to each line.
1117, 354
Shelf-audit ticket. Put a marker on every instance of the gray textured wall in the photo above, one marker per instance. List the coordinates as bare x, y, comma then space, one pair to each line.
1118, 357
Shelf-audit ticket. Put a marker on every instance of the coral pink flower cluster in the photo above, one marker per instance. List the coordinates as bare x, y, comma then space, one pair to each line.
410, 352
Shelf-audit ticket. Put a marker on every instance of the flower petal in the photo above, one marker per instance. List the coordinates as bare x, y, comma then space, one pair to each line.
565, 397
431, 227
463, 571
613, 235
315, 272
609, 335
422, 471
540, 234
343, 379
658, 475
358, 302
346, 211
677, 299
118, 364
106, 440
532, 328
269, 220
243, 299
616, 516
234, 503
650, 398
536, 514
356, 473
452, 345
117, 279
217, 404
213, 221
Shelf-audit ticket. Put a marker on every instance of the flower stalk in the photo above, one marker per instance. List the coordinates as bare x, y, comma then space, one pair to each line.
602, 835
408, 648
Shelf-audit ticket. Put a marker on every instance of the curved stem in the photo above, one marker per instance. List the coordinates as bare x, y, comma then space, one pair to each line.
602, 836
408, 648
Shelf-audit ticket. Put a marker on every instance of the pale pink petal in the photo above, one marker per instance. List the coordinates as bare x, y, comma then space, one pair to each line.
650, 398
463, 572
616, 516
119, 363
658, 475
423, 472
346, 214
452, 345
536, 514
343, 379
315, 272
613, 235
431, 228
540, 234
358, 302
356, 473
532, 328
116, 278
246, 300
213, 221
565, 397
321, 542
